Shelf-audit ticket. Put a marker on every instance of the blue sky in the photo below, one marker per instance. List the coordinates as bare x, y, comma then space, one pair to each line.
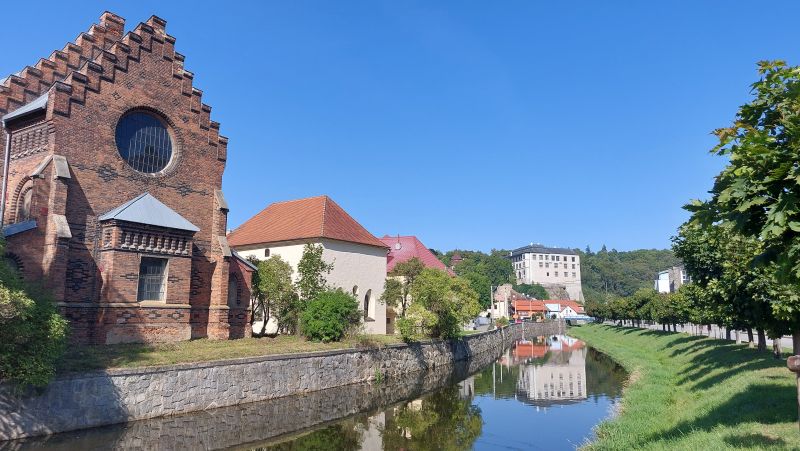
472, 125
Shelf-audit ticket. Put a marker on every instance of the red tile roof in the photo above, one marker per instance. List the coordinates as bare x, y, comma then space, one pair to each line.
313, 217
527, 350
404, 248
529, 306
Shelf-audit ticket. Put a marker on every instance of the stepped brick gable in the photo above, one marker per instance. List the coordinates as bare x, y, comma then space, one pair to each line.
113, 195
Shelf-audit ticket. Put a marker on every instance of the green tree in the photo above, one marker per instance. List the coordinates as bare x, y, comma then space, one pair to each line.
33, 334
398, 286
451, 300
535, 290
311, 272
274, 293
759, 190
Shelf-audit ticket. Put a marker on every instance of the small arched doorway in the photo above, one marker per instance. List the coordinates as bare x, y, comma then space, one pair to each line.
367, 300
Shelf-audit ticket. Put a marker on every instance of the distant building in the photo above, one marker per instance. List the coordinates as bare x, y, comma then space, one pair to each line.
560, 380
529, 309
563, 309
669, 280
358, 257
549, 267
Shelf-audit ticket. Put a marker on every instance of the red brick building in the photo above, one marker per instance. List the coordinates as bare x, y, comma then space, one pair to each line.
112, 190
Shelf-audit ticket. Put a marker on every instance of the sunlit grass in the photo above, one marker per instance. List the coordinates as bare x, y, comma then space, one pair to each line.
695, 393
85, 358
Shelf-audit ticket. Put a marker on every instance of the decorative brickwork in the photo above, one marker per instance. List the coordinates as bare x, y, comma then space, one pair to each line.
66, 154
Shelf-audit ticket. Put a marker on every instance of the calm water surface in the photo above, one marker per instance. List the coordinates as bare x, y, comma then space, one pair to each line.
544, 393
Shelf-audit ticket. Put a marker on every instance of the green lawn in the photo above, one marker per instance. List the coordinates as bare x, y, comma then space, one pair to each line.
695, 393
85, 358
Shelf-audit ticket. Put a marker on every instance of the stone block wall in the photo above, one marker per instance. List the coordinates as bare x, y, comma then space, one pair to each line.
117, 396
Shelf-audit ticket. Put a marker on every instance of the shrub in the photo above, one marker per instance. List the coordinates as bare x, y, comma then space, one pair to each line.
501, 322
329, 316
418, 323
32, 333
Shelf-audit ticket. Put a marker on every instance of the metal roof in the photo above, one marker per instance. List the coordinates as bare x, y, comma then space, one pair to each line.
13, 229
40, 103
146, 209
539, 249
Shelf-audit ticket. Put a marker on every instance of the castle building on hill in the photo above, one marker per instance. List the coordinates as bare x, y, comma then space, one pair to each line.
112, 190
550, 267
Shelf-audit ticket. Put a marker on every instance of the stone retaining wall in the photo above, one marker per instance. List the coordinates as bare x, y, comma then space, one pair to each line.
118, 396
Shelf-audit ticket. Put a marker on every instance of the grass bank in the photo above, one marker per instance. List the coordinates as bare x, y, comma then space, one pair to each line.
86, 358
689, 392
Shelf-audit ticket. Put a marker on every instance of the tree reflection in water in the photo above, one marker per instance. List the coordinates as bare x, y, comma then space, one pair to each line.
444, 420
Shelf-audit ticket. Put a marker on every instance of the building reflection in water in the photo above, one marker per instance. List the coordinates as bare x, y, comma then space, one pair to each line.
457, 407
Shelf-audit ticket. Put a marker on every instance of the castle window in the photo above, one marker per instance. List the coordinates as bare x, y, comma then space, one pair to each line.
367, 298
152, 273
266, 252
143, 142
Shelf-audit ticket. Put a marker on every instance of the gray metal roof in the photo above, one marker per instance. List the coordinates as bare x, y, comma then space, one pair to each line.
146, 209
40, 103
539, 249
244, 260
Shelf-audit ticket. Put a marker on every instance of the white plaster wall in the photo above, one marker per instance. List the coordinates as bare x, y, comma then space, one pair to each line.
529, 272
354, 265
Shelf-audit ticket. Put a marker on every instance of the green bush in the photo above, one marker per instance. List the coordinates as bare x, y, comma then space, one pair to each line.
501, 322
329, 316
32, 333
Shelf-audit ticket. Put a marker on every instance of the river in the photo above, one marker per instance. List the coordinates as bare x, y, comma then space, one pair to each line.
543, 393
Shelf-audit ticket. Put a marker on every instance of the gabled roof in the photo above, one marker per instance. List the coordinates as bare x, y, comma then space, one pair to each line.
146, 209
560, 305
404, 248
309, 218
529, 306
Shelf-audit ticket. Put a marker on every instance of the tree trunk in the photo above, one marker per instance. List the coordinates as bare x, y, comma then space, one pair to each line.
674, 327
762, 340
750, 335
728, 333
264, 317
796, 342
709, 330
776, 347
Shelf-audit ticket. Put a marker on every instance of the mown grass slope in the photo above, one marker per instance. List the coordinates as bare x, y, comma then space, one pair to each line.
688, 392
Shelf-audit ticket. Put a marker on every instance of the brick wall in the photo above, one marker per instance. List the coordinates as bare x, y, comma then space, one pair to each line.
103, 76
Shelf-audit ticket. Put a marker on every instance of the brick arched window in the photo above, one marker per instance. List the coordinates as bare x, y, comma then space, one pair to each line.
23, 201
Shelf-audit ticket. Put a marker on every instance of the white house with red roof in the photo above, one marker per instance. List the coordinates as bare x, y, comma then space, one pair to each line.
564, 309
358, 257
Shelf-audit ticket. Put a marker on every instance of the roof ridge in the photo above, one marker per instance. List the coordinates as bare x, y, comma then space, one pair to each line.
298, 200
127, 204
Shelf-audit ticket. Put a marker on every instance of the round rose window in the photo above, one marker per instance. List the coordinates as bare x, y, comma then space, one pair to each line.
144, 142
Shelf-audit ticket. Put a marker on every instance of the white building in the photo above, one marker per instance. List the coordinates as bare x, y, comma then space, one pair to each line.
549, 267
560, 379
669, 280
358, 257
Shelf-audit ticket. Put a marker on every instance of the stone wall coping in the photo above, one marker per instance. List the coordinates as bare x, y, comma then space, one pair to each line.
257, 359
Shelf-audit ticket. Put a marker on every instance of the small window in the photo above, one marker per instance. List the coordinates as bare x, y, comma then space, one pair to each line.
25, 205
152, 273
547, 265
565, 266
234, 293
541, 264
266, 252
556, 274
355, 290
573, 266
573, 275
